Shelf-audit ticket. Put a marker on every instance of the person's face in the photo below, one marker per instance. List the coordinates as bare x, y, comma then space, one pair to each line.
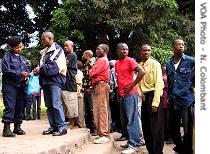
122, 52
18, 48
85, 56
100, 51
178, 46
46, 41
68, 47
145, 52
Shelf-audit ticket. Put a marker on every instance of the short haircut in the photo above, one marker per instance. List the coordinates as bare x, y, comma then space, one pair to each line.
119, 45
48, 34
143, 45
79, 65
176, 40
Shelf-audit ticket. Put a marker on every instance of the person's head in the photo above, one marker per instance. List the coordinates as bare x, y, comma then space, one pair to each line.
79, 65
68, 46
16, 45
145, 52
87, 55
122, 50
47, 39
178, 46
112, 63
102, 50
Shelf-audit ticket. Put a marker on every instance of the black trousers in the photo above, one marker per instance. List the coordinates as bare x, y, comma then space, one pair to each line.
13, 99
168, 124
183, 117
115, 111
152, 125
89, 119
36, 108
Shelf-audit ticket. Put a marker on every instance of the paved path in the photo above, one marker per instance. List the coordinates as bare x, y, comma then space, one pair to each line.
77, 141
36, 143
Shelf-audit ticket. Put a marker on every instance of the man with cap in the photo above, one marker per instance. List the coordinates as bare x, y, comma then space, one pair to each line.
15, 73
99, 75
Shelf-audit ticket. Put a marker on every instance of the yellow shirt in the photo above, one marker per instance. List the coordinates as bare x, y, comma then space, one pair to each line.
152, 80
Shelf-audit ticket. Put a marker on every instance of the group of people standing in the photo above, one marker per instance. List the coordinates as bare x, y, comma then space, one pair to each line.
138, 93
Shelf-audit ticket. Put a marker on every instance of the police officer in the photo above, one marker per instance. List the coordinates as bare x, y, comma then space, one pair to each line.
15, 72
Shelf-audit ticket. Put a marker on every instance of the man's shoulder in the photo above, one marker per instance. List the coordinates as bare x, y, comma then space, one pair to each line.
189, 58
154, 61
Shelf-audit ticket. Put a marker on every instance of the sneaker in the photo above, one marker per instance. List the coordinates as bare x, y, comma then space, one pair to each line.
60, 132
128, 151
101, 140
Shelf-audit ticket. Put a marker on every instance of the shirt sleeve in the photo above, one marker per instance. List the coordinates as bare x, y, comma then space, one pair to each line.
133, 64
159, 85
8, 70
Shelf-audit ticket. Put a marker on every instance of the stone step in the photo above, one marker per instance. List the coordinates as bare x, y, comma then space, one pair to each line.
91, 148
115, 148
36, 143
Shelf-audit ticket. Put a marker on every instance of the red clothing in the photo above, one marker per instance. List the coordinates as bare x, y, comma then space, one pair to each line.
125, 73
100, 70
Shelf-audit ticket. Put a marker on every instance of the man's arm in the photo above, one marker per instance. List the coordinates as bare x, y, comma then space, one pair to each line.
140, 74
159, 85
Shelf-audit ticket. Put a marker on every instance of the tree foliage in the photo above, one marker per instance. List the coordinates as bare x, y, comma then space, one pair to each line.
90, 22
14, 20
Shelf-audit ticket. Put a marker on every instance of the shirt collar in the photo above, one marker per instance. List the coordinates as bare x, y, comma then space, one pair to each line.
183, 57
51, 48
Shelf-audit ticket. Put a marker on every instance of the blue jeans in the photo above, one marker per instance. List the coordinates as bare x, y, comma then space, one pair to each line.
129, 105
55, 113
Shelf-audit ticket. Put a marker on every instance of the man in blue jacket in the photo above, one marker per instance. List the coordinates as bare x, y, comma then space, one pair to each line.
52, 78
15, 73
180, 70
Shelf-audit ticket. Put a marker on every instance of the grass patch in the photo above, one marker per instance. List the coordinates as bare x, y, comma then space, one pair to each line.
43, 109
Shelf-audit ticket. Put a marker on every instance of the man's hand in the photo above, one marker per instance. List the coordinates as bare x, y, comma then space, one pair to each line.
154, 109
25, 74
128, 89
143, 98
36, 70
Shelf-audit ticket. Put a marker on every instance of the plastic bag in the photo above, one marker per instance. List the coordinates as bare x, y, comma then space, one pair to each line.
33, 84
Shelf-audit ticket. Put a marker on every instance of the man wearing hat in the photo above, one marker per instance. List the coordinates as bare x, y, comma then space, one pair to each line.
99, 75
15, 73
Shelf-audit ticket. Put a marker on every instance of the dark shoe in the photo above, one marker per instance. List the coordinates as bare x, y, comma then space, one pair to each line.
125, 145
122, 138
94, 133
49, 131
17, 130
178, 149
169, 142
60, 132
6, 131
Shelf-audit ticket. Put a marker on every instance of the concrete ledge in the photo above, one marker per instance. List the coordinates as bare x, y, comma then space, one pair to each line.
36, 143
